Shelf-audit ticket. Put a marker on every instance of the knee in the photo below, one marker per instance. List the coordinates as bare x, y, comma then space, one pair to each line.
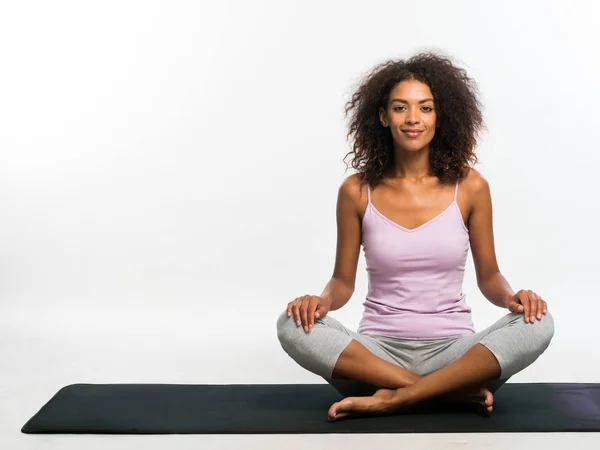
287, 331
292, 337
545, 329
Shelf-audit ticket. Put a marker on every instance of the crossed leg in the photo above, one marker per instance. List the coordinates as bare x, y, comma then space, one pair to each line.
506, 347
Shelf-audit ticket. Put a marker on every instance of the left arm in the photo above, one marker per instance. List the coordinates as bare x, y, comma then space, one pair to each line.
497, 290
490, 281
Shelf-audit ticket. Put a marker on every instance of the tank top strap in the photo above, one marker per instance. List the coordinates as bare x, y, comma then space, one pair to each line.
368, 193
455, 191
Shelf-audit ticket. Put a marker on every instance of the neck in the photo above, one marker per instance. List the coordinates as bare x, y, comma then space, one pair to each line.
412, 165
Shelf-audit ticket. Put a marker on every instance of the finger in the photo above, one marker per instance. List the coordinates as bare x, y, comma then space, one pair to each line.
511, 306
289, 308
518, 307
540, 307
320, 311
532, 306
525, 302
296, 310
304, 314
515, 307
545, 307
311, 312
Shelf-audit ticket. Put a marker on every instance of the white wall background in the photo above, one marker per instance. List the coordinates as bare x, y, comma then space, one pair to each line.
169, 174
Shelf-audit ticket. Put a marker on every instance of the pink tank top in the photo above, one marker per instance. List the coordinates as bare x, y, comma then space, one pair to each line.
415, 275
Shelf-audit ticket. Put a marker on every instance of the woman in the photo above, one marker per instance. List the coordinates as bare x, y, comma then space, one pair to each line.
416, 206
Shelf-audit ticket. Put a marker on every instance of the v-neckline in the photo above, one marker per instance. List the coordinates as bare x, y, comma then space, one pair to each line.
410, 230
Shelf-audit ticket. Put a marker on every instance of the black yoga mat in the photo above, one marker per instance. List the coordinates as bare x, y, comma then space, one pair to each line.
300, 408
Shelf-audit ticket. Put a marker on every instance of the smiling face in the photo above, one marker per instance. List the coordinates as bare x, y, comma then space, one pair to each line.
410, 107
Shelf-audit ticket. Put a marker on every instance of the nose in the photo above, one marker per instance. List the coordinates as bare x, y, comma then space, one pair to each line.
412, 117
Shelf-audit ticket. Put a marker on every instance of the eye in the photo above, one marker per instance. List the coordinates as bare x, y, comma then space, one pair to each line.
428, 108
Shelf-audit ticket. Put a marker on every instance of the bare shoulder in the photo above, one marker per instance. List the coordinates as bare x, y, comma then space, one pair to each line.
475, 183
477, 189
351, 190
352, 184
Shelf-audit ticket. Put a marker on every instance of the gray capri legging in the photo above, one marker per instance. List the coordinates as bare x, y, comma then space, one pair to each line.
515, 344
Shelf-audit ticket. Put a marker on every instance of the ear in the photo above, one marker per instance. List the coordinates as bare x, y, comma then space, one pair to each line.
382, 117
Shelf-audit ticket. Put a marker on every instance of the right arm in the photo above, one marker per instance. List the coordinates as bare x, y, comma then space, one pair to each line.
341, 286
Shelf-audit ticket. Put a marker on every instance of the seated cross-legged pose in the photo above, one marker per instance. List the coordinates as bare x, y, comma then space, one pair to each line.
416, 206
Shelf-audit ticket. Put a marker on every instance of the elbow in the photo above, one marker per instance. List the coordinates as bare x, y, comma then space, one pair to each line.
483, 279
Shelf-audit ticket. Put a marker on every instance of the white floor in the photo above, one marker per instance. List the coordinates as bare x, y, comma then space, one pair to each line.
38, 358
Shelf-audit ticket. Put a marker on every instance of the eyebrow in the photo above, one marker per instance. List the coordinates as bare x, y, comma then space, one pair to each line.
401, 100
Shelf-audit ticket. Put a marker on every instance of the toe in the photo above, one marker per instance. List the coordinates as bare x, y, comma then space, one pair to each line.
336, 410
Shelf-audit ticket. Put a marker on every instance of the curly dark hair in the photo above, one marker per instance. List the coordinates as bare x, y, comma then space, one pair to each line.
458, 115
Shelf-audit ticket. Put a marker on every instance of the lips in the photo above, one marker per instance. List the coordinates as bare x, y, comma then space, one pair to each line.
412, 133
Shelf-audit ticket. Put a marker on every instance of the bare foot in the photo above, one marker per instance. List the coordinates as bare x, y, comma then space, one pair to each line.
480, 396
382, 402
389, 400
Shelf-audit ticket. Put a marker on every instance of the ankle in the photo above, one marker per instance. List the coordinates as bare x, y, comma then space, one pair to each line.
404, 396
